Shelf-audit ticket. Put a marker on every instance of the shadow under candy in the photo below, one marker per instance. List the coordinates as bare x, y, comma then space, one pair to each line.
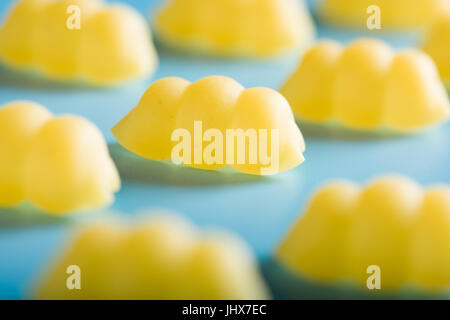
286, 285
34, 80
138, 169
336, 132
27, 216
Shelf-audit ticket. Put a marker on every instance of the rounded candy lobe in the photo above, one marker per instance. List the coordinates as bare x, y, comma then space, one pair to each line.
321, 234
381, 230
413, 82
280, 143
215, 274
317, 72
68, 167
19, 122
116, 47
358, 87
211, 101
147, 129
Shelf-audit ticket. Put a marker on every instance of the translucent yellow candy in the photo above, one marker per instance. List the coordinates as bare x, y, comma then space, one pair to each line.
431, 241
392, 224
216, 113
59, 164
19, 123
367, 86
78, 39
315, 244
159, 258
437, 45
398, 14
235, 27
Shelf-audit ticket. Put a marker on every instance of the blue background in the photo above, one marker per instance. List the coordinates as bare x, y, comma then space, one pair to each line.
260, 210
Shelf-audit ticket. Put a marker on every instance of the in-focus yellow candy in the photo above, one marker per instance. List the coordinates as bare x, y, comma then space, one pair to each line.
216, 122
235, 27
367, 86
437, 45
392, 223
78, 39
396, 14
158, 258
59, 164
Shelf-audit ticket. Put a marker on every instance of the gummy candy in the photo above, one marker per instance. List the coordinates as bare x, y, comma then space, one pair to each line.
235, 27
159, 258
225, 111
103, 44
59, 164
367, 86
396, 14
392, 223
437, 45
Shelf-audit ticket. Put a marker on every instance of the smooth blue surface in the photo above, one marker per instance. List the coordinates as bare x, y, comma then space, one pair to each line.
260, 211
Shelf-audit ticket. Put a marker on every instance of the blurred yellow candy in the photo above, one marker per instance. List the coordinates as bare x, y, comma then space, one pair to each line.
19, 123
437, 45
367, 86
235, 27
78, 39
58, 164
315, 244
397, 14
158, 258
431, 241
216, 122
392, 223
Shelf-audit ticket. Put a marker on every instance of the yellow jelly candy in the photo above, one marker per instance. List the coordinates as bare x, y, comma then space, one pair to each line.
59, 164
437, 45
158, 258
235, 27
397, 14
212, 123
392, 225
431, 241
19, 123
78, 39
367, 86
